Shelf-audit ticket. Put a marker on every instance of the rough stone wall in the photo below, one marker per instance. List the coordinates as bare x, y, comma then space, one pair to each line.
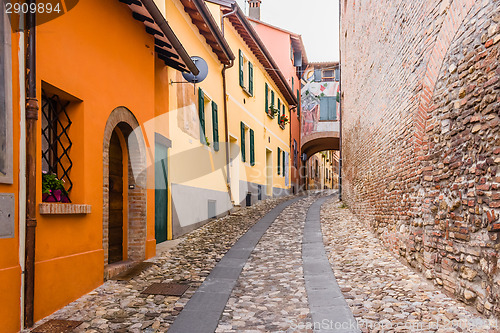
421, 144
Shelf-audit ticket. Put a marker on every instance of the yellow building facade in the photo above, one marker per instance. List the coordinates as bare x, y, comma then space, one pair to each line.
263, 169
226, 147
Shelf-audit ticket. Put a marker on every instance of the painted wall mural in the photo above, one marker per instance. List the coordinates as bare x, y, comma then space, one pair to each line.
312, 95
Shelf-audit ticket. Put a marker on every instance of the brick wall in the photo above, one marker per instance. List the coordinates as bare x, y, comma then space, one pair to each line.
421, 145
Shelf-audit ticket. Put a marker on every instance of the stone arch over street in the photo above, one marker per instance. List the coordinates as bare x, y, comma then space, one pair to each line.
121, 136
319, 141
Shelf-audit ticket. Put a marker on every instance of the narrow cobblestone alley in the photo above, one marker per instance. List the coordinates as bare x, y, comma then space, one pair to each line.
266, 289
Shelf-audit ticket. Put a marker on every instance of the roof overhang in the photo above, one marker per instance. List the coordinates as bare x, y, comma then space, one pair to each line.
324, 64
226, 3
253, 41
167, 46
205, 22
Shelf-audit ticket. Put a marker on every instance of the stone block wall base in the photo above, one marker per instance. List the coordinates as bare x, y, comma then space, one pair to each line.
112, 270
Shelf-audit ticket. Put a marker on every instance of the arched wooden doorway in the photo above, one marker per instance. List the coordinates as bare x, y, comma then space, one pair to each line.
115, 207
124, 193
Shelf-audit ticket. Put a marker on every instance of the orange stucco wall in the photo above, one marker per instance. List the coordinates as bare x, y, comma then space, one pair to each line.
10, 270
99, 54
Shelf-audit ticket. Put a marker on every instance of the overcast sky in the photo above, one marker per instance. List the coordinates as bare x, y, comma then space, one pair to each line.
316, 20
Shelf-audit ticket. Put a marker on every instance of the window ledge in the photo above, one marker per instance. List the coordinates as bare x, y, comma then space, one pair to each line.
282, 126
64, 209
245, 89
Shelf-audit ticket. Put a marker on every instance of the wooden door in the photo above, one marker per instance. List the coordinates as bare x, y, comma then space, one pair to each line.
115, 233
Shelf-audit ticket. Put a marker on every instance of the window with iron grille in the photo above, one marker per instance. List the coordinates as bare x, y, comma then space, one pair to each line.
56, 142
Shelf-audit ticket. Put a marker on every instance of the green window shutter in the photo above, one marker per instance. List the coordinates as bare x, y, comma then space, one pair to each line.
252, 148
293, 84
327, 108
215, 125
283, 109
250, 78
279, 159
201, 114
242, 83
284, 164
298, 105
279, 110
267, 97
272, 98
243, 142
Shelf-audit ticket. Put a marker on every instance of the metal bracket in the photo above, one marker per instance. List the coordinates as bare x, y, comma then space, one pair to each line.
172, 82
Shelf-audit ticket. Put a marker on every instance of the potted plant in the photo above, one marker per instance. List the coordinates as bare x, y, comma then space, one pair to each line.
284, 120
53, 189
272, 111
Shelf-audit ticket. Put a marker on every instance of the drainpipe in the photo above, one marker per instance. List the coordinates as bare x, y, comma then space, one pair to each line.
22, 161
340, 103
235, 9
31, 143
224, 89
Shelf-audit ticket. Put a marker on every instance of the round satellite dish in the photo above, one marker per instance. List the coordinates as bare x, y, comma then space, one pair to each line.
202, 67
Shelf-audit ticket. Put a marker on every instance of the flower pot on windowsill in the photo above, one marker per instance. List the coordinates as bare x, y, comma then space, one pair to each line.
283, 121
55, 196
272, 112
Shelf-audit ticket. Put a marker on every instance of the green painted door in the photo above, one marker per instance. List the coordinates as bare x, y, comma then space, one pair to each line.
161, 193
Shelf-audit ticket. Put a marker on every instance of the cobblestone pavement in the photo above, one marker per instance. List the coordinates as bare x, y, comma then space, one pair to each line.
270, 294
120, 307
381, 291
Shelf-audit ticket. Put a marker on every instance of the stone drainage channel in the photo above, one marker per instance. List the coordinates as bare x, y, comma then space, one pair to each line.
210, 309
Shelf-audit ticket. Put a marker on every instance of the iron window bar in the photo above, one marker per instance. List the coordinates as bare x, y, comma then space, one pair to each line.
55, 154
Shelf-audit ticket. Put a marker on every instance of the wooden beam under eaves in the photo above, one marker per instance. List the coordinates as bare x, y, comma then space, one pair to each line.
131, 2
142, 18
154, 32
166, 53
172, 63
162, 43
